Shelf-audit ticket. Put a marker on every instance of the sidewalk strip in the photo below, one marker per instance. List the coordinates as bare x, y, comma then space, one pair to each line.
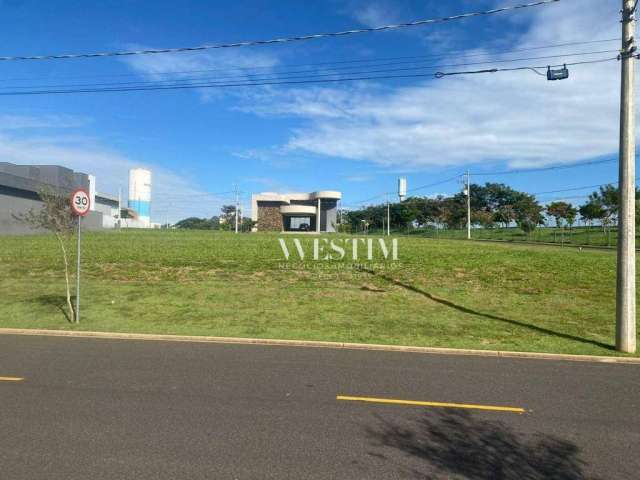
11, 379
431, 404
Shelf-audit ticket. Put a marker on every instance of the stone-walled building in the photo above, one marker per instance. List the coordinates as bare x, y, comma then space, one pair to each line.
295, 212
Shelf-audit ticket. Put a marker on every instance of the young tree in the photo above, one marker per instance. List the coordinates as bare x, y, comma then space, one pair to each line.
572, 213
561, 211
55, 216
607, 199
591, 211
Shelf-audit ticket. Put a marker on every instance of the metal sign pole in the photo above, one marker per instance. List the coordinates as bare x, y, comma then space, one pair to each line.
80, 204
78, 273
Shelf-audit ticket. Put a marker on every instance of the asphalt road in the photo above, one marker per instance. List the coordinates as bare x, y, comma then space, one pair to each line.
121, 409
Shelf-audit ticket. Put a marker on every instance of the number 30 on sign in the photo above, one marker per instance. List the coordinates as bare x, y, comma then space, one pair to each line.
80, 202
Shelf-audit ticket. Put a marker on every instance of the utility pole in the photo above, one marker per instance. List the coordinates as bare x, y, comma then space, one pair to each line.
388, 218
468, 205
237, 201
119, 209
626, 267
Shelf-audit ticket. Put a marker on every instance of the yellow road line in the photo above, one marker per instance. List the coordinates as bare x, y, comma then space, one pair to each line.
431, 404
11, 379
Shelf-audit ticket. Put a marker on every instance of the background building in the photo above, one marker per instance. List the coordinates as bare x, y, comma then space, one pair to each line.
20, 184
107, 205
19, 187
295, 212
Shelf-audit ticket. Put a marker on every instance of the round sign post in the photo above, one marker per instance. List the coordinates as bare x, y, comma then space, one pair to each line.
80, 205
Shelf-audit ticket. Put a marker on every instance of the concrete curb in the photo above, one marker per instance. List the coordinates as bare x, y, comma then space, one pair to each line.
318, 344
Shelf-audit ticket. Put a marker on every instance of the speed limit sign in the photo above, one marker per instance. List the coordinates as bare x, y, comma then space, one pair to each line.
80, 202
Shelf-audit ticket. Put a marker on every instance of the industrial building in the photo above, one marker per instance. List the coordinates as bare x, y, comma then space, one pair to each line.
20, 185
295, 212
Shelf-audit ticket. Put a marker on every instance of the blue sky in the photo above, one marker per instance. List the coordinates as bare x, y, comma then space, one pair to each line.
354, 137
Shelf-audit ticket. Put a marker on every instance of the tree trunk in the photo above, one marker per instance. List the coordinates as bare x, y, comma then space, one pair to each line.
66, 277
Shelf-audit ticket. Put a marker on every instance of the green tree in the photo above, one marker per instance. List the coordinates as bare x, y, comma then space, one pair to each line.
483, 218
454, 211
195, 223
607, 198
591, 211
529, 213
402, 213
228, 217
431, 210
607, 201
505, 214
572, 214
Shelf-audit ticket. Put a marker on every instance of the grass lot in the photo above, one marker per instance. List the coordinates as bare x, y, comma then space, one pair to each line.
590, 236
439, 293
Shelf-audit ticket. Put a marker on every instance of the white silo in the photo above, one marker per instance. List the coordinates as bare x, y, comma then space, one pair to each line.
402, 188
140, 195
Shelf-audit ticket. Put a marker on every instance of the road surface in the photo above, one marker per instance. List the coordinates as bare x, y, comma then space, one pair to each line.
123, 409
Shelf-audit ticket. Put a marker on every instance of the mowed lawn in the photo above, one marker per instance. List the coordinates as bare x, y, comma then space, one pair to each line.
439, 293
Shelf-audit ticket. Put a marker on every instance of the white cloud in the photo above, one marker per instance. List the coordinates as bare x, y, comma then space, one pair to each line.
358, 178
374, 14
205, 66
516, 117
22, 122
271, 184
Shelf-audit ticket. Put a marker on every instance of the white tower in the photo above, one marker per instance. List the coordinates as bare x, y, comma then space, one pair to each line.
402, 188
140, 195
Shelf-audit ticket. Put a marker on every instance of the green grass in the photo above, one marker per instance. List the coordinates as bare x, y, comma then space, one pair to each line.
584, 236
439, 293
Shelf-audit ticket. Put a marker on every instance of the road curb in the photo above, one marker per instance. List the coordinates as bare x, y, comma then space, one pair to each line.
319, 344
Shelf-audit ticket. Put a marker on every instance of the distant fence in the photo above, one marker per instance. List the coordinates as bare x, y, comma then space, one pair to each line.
576, 236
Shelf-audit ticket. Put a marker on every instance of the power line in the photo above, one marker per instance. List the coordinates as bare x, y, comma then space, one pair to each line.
575, 188
544, 169
423, 187
574, 197
361, 202
417, 58
283, 39
287, 82
576, 165
307, 73
533, 69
